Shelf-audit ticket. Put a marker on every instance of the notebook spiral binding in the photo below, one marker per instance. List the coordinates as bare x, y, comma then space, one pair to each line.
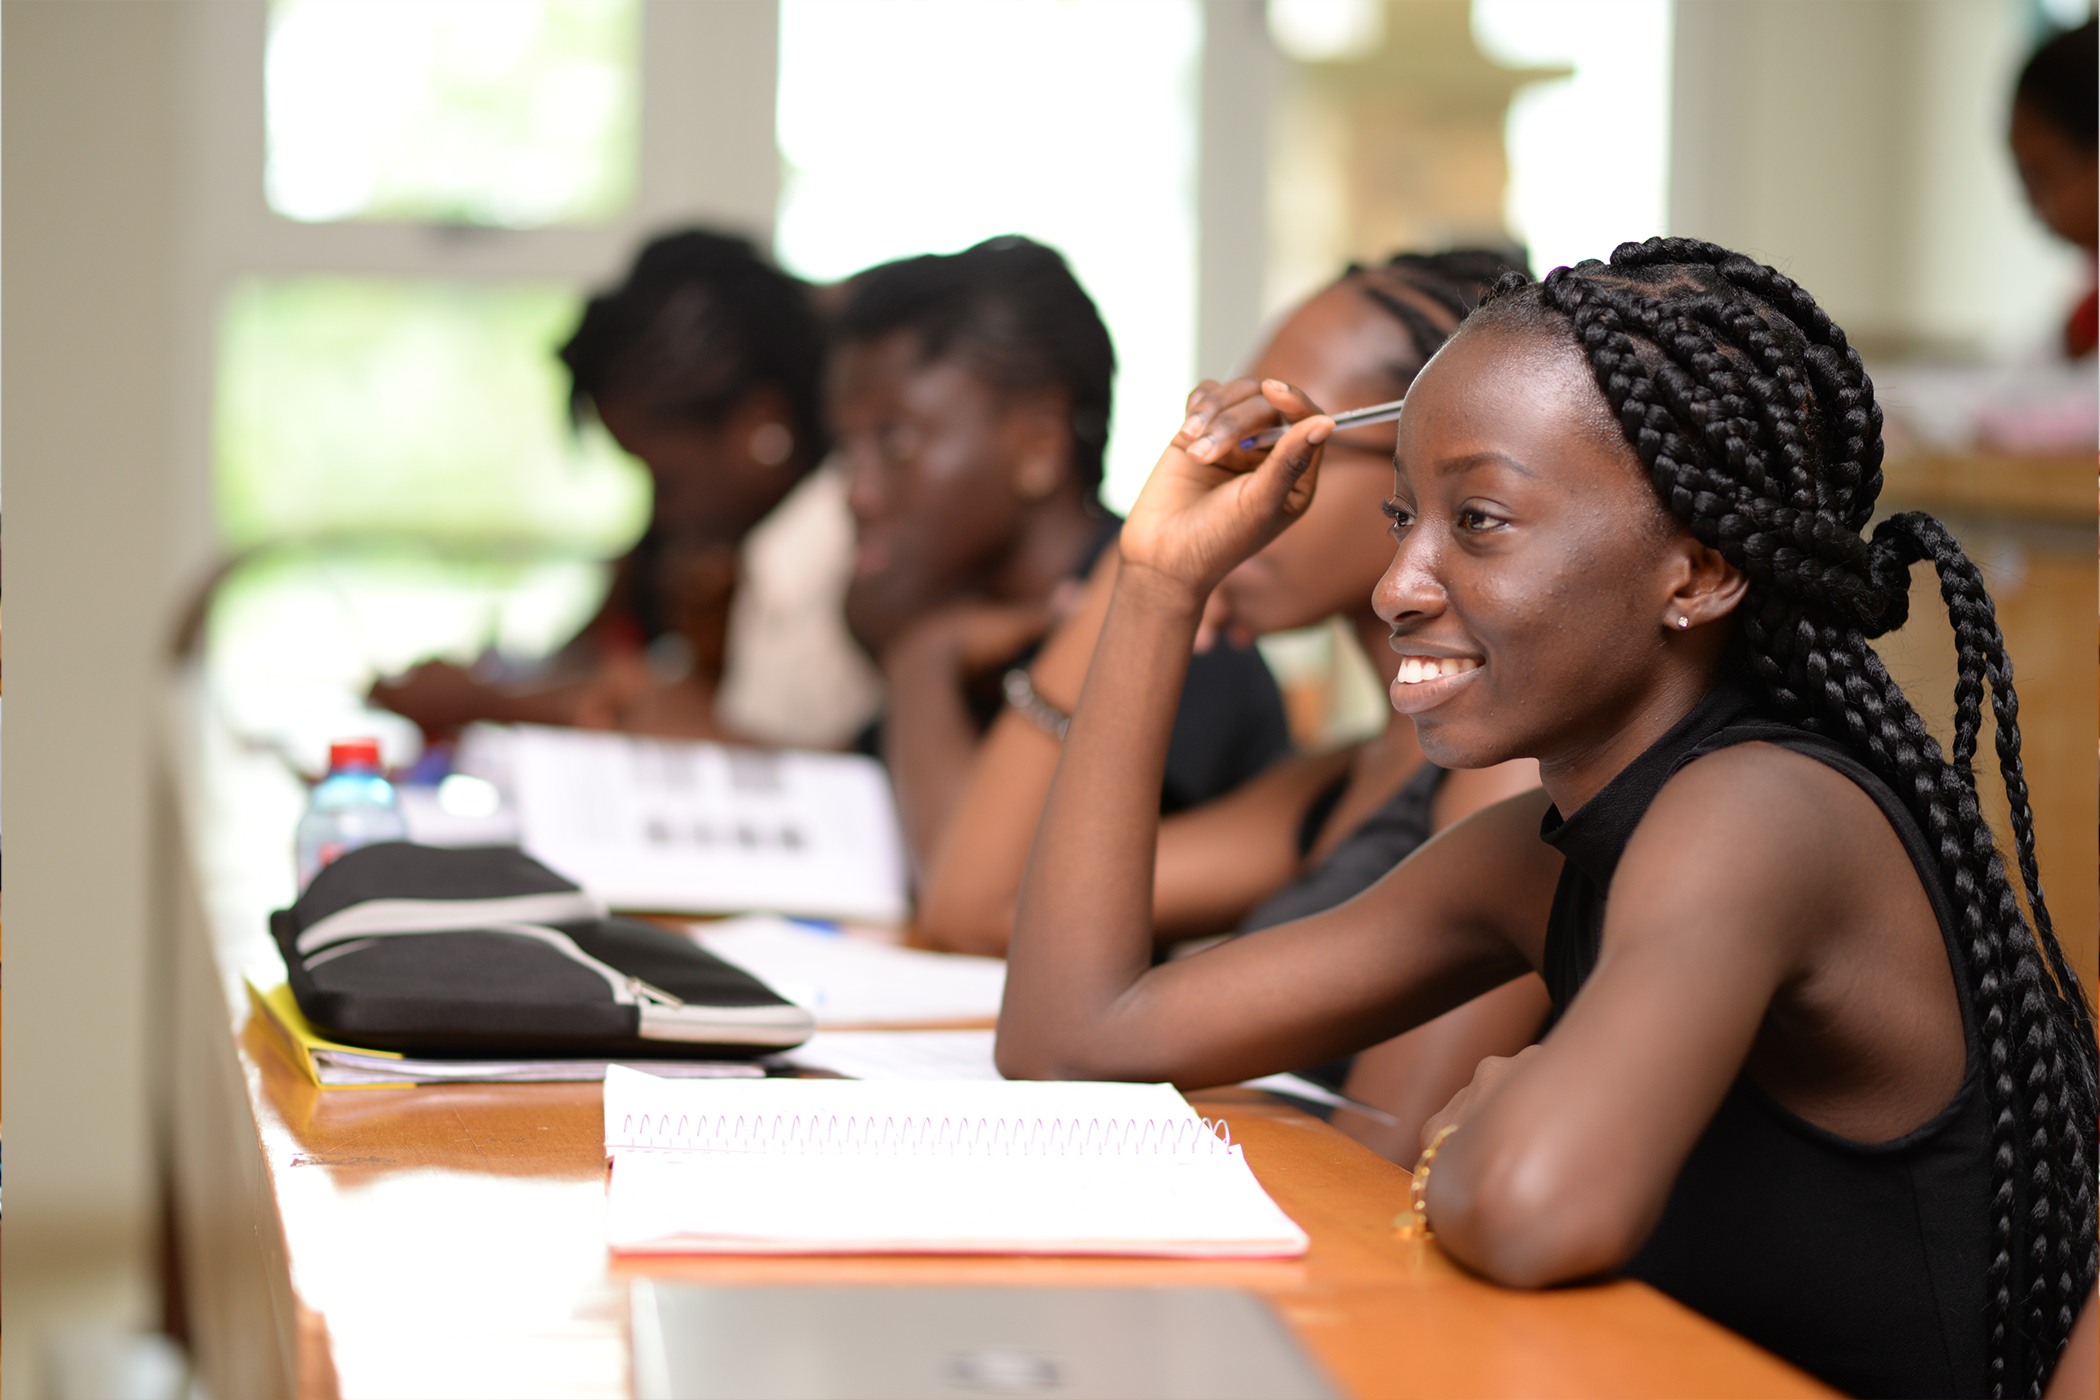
821, 1135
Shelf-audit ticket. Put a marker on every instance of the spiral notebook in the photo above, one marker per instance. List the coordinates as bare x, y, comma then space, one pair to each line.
818, 1166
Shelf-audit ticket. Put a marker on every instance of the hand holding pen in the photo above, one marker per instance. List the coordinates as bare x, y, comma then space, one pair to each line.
1222, 414
1350, 418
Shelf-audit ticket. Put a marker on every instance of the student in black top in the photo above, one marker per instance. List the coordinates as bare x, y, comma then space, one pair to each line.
1314, 829
969, 395
1811, 1070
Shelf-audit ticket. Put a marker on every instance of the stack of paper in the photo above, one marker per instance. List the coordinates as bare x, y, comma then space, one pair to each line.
850, 981
677, 827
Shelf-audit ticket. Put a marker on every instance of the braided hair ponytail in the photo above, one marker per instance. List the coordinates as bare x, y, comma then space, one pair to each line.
1757, 425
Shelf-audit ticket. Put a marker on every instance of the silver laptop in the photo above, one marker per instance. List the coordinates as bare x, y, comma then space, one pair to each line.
766, 1343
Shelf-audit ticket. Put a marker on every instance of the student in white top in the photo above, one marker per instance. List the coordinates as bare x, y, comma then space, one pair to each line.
725, 621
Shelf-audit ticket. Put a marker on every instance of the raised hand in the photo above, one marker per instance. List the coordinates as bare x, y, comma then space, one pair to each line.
1210, 504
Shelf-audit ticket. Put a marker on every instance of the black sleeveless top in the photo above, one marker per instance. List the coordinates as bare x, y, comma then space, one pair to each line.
1384, 839
1860, 1263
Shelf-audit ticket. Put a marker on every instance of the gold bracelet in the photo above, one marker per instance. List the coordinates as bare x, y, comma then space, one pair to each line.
1413, 1223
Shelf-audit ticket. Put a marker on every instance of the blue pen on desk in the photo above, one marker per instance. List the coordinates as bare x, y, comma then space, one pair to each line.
1354, 418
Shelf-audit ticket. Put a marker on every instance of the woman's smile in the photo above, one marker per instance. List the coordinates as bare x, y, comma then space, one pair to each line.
1424, 682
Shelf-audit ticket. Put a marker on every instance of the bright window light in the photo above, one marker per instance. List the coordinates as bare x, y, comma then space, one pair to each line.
923, 126
1589, 155
508, 112
1322, 31
431, 410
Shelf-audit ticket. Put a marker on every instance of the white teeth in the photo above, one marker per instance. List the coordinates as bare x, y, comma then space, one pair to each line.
1416, 669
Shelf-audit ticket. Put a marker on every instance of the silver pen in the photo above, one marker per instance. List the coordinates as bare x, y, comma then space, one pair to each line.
1354, 418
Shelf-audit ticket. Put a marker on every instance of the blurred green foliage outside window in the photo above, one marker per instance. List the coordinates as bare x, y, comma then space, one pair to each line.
374, 406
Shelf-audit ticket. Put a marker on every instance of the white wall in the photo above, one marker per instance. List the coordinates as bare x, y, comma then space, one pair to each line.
1232, 183
93, 126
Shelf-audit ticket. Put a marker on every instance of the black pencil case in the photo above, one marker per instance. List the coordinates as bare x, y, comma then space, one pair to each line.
479, 951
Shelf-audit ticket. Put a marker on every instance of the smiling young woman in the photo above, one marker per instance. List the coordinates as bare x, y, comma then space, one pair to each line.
1811, 1072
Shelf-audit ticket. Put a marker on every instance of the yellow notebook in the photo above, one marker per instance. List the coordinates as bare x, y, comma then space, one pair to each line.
334, 1065
280, 1011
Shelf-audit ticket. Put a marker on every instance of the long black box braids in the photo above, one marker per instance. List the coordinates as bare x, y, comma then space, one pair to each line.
1758, 426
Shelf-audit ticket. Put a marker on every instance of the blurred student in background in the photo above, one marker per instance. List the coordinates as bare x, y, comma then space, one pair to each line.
724, 620
2055, 135
970, 398
1312, 831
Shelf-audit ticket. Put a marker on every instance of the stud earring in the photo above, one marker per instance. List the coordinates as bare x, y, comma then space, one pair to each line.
1683, 623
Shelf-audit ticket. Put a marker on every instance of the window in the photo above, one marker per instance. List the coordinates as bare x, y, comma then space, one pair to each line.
393, 467
926, 125
1569, 197
383, 406
510, 112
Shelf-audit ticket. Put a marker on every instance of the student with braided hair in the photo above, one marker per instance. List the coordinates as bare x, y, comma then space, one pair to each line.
1812, 1072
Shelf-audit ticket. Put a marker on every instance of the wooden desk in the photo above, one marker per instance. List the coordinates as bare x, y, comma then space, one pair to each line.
449, 1240
1996, 484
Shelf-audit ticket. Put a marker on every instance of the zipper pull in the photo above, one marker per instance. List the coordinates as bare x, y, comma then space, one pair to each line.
643, 991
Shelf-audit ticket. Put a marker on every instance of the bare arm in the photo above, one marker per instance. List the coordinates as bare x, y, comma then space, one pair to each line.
974, 858
599, 679
2078, 1369
1415, 1074
1082, 999
1214, 863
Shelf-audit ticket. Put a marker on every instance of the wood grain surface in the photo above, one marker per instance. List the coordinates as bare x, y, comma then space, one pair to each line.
448, 1241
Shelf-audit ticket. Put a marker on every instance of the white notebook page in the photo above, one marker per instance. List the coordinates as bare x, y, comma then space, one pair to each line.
676, 826
842, 1166
850, 981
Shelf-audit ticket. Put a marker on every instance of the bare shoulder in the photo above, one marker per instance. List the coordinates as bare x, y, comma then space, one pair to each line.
1763, 843
1788, 801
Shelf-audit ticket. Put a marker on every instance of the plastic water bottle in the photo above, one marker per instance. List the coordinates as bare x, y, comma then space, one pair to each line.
353, 806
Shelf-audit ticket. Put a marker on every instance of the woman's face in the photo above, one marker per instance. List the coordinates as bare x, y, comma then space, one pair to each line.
932, 458
1534, 564
2061, 177
1344, 352
712, 481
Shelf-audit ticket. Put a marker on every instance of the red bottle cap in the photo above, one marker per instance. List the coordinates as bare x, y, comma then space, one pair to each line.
354, 754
